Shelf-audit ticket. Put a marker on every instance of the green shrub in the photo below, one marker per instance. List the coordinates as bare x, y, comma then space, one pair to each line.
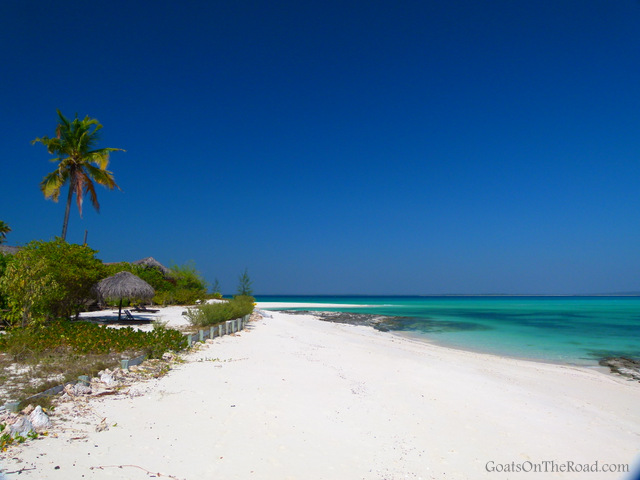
48, 280
179, 296
214, 313
162, 298
187, 277
184, 296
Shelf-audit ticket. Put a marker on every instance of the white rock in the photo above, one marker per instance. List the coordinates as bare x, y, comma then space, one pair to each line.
80, 389
39, 419
22, 427
168, 356
107, 379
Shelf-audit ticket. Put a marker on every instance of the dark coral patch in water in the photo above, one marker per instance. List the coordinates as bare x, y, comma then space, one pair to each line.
389, 323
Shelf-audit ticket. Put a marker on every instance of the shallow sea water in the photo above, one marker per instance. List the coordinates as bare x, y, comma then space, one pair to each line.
570, 330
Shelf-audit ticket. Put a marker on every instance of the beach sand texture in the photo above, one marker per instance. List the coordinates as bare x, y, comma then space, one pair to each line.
297, 398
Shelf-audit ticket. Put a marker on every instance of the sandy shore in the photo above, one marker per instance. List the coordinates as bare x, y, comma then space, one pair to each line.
297, 398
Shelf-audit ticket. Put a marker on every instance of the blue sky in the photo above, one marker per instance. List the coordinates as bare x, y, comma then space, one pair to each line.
340, 147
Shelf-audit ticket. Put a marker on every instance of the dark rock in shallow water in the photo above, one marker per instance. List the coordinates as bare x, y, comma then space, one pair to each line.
627, 367
378, 322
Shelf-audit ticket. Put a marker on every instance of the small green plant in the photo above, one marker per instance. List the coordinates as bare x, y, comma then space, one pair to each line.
6, 439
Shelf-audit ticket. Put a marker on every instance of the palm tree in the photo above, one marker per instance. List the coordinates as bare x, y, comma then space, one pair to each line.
4, 229
79, 163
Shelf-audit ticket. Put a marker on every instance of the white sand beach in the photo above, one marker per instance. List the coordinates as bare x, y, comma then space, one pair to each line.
293, 397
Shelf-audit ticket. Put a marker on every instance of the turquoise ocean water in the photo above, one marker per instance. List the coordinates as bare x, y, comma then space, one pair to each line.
570, 330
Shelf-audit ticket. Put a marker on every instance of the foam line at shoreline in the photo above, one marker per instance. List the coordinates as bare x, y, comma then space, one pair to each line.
285, 305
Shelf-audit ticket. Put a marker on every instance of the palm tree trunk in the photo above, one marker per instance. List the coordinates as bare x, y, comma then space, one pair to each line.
66, 212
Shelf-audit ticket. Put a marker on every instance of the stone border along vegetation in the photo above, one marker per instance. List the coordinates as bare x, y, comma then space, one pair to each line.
225, 328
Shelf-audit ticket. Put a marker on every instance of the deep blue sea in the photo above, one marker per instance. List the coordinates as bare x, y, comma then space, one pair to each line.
570, 330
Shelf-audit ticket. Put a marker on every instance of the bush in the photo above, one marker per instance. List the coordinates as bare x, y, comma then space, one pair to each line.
179, 296
187, 277
214, 313
48, 280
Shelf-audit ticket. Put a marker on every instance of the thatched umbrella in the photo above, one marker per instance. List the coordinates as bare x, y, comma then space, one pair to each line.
123, 285
152, 262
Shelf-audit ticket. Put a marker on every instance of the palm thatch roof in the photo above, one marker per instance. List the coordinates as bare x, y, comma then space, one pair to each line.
6, 249
152, 262
123, 285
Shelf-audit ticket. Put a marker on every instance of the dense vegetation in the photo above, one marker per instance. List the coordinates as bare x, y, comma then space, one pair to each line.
48, 280
183, 285
45, 281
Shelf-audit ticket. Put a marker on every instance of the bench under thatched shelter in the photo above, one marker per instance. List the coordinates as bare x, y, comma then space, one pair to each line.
123, 285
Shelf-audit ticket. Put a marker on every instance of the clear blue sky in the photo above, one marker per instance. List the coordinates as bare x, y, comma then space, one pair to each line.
372, 147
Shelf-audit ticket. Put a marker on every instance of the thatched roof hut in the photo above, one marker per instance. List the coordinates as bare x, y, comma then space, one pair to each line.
123, 285
7, 250
152, 262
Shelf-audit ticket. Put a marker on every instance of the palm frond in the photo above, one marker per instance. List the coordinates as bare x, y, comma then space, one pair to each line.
4, 229
101, 176
42, 140
51, 185
100, 157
